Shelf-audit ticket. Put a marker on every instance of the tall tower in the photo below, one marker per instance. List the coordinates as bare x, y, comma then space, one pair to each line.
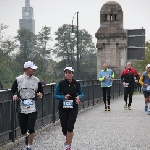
27, 21
111, 38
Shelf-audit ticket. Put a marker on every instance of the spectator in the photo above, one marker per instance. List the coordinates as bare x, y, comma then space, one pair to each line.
43, 82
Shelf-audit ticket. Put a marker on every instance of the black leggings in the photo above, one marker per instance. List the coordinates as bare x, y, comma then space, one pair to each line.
27, 122
106, 93
128, 91
67, 118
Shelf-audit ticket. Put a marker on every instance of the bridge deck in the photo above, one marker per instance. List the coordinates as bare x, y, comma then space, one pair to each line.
95, 129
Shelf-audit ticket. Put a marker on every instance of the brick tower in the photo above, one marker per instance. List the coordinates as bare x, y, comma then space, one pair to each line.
111, 38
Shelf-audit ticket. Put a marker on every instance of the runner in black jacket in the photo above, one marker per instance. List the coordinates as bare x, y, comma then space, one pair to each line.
68, 89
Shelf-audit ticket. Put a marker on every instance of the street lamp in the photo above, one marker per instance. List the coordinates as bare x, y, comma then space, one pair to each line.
72, 36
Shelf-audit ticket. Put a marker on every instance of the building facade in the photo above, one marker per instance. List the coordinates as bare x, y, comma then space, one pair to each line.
27, 21
111, 38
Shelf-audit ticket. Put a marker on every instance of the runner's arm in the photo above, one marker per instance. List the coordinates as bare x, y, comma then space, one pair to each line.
57, 94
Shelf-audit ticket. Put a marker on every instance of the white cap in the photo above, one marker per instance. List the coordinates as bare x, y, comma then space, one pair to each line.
148, 65
30, 64
69, 68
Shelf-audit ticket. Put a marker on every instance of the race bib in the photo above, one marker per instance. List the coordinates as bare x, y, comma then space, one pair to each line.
27, 106
126, 85
67, 103
148, 87
27, 103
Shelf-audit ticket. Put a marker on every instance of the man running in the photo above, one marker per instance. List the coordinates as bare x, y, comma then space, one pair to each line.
128, 77
145, 82
25, 89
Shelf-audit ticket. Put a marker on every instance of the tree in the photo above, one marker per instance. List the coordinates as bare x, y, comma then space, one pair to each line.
6, 76
7, 46
140, 65
27, 44
43, 50
66, 47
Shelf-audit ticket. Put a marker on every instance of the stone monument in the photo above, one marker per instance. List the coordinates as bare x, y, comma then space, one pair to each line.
111, 38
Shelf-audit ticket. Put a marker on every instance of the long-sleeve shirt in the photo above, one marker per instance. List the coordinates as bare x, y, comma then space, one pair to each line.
64, 87
145, 79
129, 75
109, 74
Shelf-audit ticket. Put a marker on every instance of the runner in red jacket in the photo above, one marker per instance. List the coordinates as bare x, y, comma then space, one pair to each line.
128, 77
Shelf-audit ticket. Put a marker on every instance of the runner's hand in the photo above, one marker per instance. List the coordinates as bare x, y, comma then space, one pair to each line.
77, 100
67, 96
145, 84
124, 83
39, 95
15, 97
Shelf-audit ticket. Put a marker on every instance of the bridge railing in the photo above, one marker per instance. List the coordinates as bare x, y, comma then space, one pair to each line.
47, 107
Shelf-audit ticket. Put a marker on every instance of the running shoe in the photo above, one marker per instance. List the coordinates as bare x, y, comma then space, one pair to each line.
105, 108
129, 107
28, 148
146, 108
26, 140
125, 106
148, 112
68, 148
109, 108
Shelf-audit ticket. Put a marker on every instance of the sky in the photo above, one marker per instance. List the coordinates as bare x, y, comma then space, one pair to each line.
55, 13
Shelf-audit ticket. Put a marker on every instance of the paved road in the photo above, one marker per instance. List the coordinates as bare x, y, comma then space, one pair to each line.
95, 129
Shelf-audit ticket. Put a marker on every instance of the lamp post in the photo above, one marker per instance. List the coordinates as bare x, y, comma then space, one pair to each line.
72, 35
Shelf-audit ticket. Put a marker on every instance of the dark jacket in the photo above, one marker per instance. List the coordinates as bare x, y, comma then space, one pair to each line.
64, 87
129, 75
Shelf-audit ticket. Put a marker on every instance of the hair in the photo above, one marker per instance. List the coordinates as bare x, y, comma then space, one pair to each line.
129, 62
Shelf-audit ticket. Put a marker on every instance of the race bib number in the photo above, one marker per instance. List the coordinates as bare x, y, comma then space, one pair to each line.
67, 103
148, 87
126, 85
27, 106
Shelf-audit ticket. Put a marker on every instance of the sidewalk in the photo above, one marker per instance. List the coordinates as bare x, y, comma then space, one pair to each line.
95, 129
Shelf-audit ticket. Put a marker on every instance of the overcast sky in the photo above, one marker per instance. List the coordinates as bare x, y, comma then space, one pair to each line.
55, 13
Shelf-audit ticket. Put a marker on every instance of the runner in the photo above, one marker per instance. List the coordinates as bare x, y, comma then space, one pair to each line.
69, 92
145, 82
106, 77
25, 89
128, 77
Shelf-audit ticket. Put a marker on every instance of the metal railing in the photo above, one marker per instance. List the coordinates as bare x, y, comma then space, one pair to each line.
47, 107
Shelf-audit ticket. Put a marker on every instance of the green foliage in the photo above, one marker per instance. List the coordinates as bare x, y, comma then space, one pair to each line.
27, 44
66, 51
36, 48
88, 66
6, 76
140, 65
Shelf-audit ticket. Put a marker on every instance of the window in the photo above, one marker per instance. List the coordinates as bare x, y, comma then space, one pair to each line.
111, 17
115, 16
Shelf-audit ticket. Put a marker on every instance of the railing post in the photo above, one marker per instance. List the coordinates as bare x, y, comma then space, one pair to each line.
119, 86
93, 91
54, 107
12, 134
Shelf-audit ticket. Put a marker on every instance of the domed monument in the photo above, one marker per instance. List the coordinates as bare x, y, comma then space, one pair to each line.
111, 38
